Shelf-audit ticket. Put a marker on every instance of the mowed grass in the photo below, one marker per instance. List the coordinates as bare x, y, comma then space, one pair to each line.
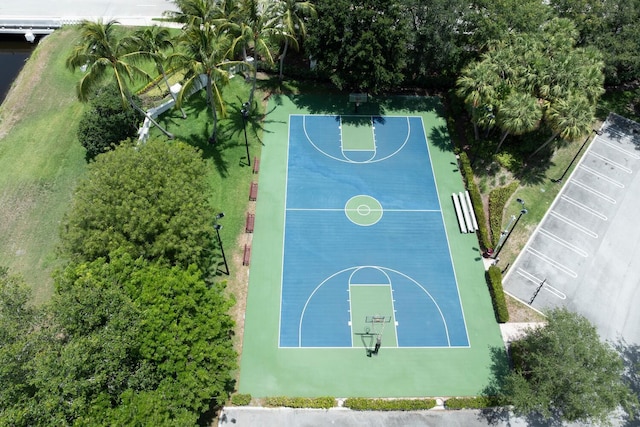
40, 161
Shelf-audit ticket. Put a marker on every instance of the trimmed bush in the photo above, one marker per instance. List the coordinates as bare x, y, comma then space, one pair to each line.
475, 402
494, 279
301, 402
363, 404
497, 200
476, 200
240, 399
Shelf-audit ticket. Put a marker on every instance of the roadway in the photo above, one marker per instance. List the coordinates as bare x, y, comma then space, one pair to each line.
140, 12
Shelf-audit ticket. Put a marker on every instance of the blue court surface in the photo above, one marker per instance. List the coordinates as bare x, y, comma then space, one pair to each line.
364, 214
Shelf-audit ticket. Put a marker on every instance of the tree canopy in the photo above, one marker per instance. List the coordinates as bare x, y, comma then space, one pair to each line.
150, 200
360, 44
564, 370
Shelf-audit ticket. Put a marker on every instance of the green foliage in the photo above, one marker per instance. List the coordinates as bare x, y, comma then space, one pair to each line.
240, 399
361, 45
494, 280
476, 200
498, 198
474, 402
564, 370
151, 201
365, 404
107, 122
301, 402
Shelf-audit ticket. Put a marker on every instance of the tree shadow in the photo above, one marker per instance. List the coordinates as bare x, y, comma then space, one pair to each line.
439, 137
630, 354
499, 370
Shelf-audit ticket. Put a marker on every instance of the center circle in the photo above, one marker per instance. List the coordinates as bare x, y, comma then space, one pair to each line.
363, 210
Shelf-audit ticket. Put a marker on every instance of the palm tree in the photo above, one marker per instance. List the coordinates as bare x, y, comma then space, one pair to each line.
254, 27
103, 53
156, 41
204, 53
519, 113
477, 86
290, 16
194, 13
570, 118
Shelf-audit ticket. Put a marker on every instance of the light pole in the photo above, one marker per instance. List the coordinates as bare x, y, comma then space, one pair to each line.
218, 227
245, 115
576, 156
522, 212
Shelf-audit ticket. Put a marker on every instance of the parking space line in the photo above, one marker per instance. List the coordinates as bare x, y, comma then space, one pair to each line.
530, 277
563, 242
584, 207
609, 161
593, 191
622, 150
553, 262
603, 176
573, 224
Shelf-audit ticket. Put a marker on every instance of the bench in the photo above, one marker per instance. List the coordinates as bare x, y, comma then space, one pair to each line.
247, 255
256, 165
249, 225
253, 191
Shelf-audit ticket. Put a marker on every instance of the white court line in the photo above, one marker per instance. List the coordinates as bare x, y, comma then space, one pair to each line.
553, 262
350, 314
593, 191
601, 175
383, 209
584, 207
609, 161
563, 242
622, 150
573, 224
530, 277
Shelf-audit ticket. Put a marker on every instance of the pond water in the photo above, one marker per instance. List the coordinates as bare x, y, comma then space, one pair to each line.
14, 51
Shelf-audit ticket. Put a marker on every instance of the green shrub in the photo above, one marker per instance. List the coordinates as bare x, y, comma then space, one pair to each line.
494, 279
475, 402
476, 201
301, 402
240, 399
497, 200
363, 404
107, 122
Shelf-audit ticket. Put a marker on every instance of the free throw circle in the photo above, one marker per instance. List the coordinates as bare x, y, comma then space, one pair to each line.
363, 210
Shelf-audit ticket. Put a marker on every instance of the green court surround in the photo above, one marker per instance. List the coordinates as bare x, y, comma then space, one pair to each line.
267, 370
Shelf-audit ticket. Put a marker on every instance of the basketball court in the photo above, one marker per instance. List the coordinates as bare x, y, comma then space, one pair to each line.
359, 273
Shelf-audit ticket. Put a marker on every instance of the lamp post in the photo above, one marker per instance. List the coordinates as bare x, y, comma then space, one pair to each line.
522, 212
245, 115
218, 227
598, 132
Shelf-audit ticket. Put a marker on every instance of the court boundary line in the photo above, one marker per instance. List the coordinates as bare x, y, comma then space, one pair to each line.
444, 224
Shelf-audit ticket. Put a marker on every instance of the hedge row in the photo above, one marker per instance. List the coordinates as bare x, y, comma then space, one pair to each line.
497, 200
240, 399
476, 402
301, 402
363, 404
476, 200
494, 279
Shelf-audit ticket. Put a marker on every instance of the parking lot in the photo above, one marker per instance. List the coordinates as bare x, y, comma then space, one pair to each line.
583, 253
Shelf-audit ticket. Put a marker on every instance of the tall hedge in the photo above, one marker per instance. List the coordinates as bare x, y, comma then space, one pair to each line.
494, 279
476, 200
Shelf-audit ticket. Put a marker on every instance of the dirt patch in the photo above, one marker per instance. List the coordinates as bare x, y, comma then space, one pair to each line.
521, 313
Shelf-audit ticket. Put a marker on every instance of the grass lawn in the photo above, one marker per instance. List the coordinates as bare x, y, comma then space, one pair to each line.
40, 161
